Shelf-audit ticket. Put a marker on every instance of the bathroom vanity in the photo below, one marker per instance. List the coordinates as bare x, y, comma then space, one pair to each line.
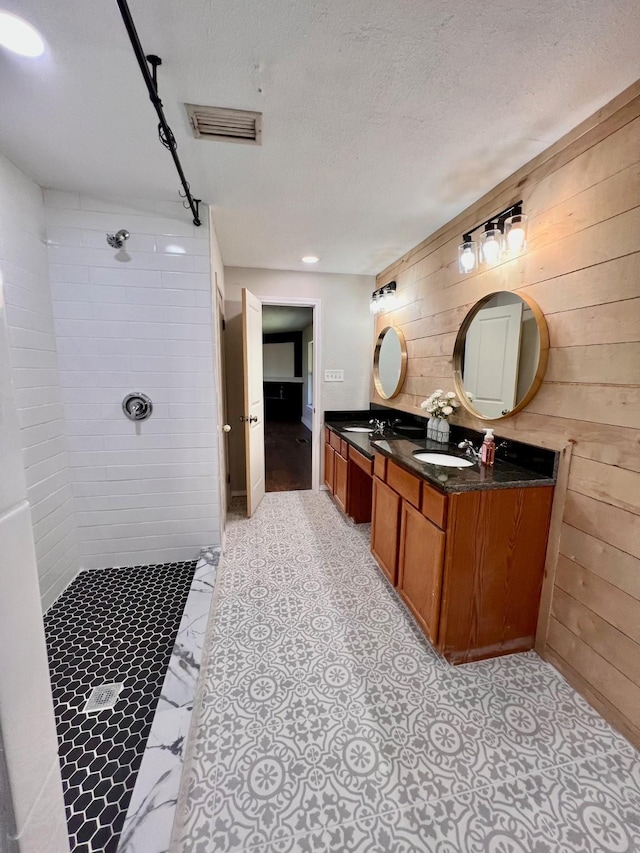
466, 554
464, 547
348, 470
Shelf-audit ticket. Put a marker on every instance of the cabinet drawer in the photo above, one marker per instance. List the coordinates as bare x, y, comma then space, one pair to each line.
380, 466
434, 505
404, 483
360, 460
334, 441
344, 448
327, 434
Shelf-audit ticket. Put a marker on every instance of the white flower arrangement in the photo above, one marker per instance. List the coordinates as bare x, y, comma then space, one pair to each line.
441, 404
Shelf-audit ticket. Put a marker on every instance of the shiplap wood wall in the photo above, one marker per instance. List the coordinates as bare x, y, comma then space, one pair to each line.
582, 267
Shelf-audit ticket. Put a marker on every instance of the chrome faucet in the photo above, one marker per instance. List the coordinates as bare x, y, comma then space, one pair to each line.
380, 426
469, 449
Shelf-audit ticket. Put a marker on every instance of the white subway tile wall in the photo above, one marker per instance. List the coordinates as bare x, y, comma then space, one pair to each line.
34, 362
138, 319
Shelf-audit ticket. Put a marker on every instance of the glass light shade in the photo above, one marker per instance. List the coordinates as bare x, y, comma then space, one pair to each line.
515, 233
467, 256
389, 301
491, 246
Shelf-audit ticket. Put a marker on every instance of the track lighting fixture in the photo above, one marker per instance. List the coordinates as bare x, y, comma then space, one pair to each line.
383, 299
504, 236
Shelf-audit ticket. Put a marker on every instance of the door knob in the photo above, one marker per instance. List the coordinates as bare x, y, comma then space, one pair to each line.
226, 428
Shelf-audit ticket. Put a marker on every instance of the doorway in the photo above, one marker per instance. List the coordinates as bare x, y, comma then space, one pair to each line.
245, 390
288, 389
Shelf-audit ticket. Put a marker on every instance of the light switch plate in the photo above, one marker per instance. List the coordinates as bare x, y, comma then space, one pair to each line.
334, 376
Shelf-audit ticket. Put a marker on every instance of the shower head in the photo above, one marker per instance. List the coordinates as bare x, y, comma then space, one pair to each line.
118, 239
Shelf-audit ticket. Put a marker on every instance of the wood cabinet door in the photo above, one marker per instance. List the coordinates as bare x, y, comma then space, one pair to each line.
329, 455
496, 546
385, 528
421, 560
340, 480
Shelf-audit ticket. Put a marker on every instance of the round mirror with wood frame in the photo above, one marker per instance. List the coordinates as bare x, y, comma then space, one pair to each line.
389, 362
500, 356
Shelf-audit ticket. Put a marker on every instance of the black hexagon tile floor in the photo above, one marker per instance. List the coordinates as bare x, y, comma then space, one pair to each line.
110, 626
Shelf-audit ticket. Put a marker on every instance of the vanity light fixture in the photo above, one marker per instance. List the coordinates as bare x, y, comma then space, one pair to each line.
310, 259
383, 299
18, 35
504, 236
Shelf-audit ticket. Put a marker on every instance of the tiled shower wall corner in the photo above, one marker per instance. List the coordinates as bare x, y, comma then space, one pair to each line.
36, 379
138, 319
32, 809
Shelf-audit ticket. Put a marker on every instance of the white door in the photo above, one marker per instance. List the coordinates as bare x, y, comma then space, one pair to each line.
491, 359
253, 403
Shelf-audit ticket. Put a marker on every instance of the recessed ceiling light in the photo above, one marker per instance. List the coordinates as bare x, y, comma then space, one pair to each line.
310, 259
19, 36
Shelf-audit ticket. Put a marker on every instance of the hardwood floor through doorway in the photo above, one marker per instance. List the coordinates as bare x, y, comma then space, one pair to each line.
287, 451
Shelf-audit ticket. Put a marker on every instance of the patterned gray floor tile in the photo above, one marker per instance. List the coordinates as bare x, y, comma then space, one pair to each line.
328, 723
546, 727
313, 842
589, 807
455, 740
265, 785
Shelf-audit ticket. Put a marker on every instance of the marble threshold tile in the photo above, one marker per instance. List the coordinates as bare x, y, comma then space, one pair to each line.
149, 820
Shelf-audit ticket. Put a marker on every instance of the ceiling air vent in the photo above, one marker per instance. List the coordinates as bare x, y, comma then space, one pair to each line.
225, 125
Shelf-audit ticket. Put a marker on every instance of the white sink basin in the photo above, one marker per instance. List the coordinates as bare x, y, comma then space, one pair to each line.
442, 459
358, 429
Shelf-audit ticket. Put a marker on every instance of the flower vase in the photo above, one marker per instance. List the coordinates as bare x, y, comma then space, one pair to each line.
442, 432
432, 428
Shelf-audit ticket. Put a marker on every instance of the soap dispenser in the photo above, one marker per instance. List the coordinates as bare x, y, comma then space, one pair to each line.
488, 449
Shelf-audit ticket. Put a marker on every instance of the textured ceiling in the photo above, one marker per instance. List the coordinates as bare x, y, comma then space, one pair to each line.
381, 121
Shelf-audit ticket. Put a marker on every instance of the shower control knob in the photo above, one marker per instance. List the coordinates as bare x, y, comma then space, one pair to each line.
137, 406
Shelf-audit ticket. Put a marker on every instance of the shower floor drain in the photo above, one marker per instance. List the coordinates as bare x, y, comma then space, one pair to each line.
103, 697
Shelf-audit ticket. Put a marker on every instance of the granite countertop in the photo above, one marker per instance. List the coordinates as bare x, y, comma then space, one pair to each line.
477, 477
360, 440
